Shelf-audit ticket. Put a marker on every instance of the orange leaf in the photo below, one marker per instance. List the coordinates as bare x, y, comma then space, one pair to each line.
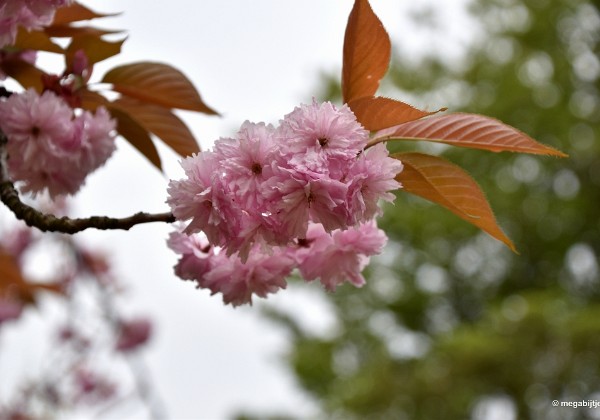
10, 273
66, 31
26, 74
367, 51
376, 112
161, 122
14, 285
91, 100
74, 13
135, 134
96, 49
36, 40
445, 183
156, 83
467, 130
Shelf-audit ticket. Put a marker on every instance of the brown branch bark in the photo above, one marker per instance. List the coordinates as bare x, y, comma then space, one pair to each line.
50, 223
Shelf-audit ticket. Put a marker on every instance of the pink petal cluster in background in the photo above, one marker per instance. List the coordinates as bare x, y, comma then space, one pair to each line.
51, 148
133, 333
29, 14
265, 202
9, 309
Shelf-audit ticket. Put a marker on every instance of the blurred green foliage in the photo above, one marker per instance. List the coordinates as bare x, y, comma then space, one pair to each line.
451, 324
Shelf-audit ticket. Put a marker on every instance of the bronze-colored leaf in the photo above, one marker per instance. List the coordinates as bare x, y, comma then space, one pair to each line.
36, 40
135, 134
10, 273
75, 13
157, 83
67, 31
15, 286
467, 130
367, 50
91, 100
161, 122
28, 75
376, 112
96, 49
444, 183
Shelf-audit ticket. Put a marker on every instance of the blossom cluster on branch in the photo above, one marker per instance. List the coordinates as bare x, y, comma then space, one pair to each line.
300, 196
273, 198
49, 146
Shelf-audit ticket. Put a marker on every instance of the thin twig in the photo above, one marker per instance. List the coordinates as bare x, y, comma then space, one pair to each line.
50, 223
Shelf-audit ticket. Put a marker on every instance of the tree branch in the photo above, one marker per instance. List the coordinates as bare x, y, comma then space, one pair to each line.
50, 223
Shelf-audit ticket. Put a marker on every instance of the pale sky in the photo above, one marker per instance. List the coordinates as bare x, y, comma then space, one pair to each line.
252, 60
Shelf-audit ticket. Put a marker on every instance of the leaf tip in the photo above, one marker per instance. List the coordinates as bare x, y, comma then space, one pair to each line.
561, 154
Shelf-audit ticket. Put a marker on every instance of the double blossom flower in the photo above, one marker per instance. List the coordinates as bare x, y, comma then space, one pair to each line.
301, 195
49, 147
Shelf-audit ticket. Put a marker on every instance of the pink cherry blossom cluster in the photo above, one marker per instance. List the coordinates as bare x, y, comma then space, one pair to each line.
276, 197
29, 14
50, 146
332, 258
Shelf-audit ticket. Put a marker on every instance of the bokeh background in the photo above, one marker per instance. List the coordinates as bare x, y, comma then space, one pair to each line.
451, 324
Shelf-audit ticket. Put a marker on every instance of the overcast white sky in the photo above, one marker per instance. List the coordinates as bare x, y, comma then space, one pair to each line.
252, 60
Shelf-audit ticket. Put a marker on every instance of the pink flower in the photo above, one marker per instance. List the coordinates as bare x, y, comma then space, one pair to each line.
47, 148
17, 241
133, 334
90, 386
333, 132
340, 256
37, 126
97, 138
224, 193
205, 197
195, 254
190, 198
238, 281
247, 165
370, 179
30, 14
262, 273
40, 137
247, 162
9, 310
301, 199
321, 140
